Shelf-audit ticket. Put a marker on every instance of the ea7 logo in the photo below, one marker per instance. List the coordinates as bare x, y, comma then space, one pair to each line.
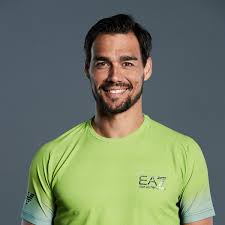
153, 182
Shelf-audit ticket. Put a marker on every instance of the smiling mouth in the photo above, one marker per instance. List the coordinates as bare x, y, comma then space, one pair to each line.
115, 93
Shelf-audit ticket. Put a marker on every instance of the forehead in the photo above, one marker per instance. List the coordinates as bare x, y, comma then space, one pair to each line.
112, 45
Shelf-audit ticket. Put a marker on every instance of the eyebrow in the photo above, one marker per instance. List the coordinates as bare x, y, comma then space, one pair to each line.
128, 58
122, 58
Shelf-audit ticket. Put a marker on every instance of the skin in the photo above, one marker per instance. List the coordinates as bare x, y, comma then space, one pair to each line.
109, 67
207, 221
116, 61
26, 223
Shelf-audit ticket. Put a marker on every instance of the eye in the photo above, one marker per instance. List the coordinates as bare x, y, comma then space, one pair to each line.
127, 64
101, 64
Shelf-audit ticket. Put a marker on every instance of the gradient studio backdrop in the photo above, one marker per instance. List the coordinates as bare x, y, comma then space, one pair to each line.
44, 92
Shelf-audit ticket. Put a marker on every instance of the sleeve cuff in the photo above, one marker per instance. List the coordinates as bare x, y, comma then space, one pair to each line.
199, 216
36, 221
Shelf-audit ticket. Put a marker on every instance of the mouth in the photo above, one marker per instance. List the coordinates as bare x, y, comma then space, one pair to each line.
115, 92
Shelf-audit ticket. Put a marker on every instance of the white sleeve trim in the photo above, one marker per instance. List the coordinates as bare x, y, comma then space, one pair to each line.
36, 221
198, 216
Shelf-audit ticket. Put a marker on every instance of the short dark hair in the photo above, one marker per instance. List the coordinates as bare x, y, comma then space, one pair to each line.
120, 23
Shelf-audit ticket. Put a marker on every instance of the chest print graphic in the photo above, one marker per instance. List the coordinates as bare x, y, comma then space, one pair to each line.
152, 182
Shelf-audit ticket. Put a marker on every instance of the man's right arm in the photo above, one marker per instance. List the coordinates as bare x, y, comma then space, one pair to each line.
24, 222
38, 206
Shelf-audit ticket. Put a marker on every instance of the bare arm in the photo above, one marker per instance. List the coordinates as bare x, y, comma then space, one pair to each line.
24, 222
207, 221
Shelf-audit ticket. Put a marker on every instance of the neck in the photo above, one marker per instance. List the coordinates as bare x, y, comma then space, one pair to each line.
120, 124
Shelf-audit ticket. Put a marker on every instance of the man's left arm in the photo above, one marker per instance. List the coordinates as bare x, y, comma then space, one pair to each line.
196, 206
207, 221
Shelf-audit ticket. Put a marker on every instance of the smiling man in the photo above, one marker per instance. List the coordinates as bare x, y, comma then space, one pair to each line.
119, 167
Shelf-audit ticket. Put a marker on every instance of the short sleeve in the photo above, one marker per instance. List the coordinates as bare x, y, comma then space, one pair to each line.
38, 206
195, 203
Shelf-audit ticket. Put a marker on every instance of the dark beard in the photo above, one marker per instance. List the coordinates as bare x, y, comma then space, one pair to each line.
122, 108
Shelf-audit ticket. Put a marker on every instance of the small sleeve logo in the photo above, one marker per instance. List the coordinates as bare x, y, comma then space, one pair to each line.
29, 197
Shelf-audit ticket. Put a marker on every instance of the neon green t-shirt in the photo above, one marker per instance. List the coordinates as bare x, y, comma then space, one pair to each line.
153, 176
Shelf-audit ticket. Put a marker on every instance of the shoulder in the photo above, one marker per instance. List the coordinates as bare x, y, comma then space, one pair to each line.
176, 139
52, 156
55, 148
183, 149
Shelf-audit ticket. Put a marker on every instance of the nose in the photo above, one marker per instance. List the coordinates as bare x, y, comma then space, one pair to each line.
115, 73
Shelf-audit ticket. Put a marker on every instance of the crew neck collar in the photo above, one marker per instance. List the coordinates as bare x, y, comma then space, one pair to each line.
132, 135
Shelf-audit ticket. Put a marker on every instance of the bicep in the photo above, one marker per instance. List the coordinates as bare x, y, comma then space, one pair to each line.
207, 221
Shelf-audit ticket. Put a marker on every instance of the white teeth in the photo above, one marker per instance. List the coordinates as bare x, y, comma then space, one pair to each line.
117, 91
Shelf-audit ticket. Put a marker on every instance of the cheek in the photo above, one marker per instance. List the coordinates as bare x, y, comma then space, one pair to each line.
100, 74
98, 77
95, 83
137, 83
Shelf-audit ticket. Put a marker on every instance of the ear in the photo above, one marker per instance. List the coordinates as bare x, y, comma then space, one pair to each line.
148, 69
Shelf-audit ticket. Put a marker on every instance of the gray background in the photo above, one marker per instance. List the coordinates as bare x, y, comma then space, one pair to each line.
43, 91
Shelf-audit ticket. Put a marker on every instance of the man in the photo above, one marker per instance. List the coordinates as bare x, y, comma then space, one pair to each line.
119, 167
